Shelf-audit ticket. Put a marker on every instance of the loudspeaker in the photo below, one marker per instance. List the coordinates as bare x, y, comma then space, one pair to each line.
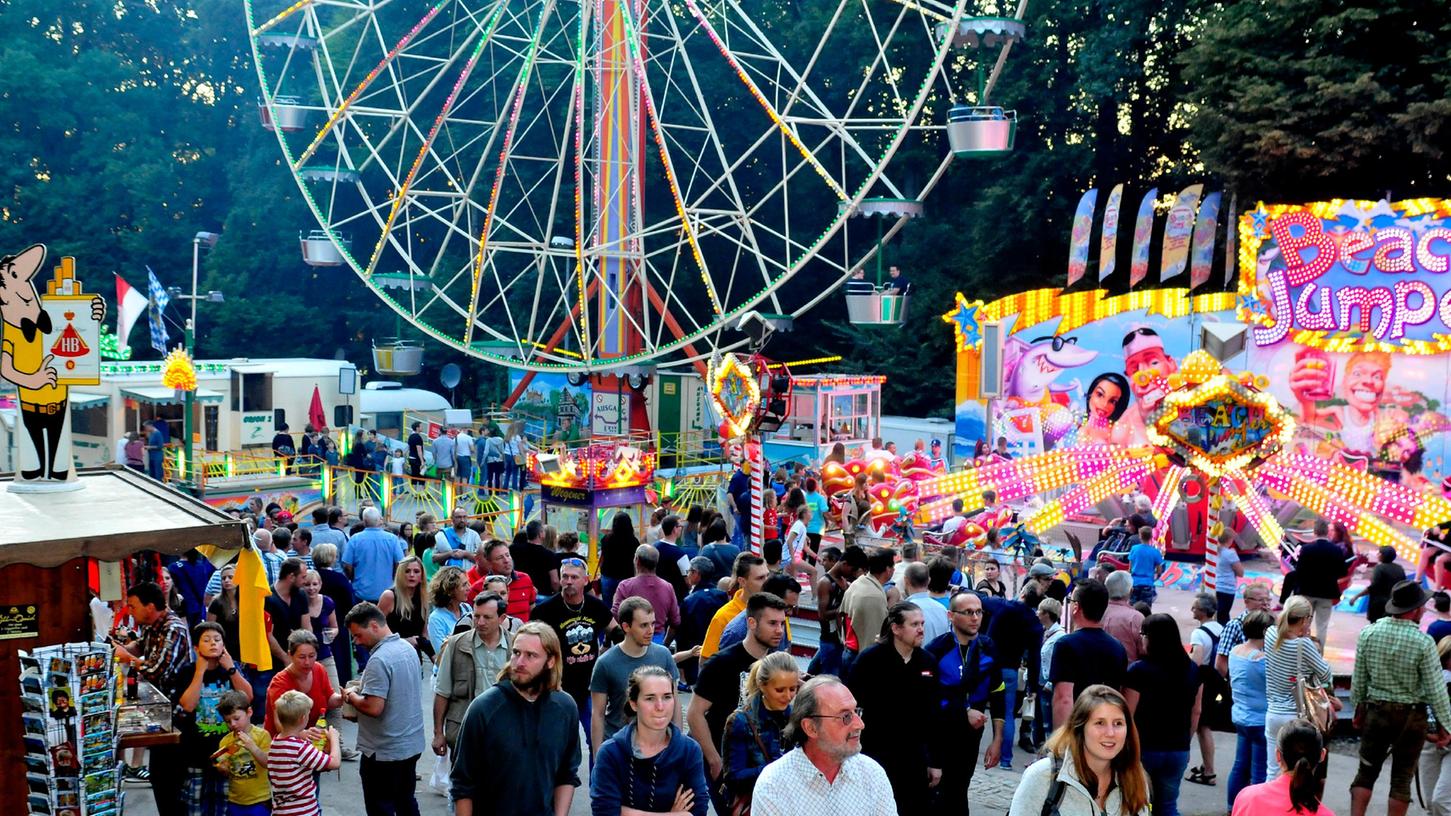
990, 377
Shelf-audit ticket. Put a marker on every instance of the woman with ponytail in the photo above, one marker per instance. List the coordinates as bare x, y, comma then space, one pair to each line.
1300, 754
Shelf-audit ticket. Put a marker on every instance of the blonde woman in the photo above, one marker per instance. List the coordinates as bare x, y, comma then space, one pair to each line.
449, 590
753, 734
1288, 647
516, 456
403, 605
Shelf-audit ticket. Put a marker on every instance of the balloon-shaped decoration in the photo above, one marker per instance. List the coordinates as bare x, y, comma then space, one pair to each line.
835, 478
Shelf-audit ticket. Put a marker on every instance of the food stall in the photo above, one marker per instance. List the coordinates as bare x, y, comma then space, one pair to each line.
48, 542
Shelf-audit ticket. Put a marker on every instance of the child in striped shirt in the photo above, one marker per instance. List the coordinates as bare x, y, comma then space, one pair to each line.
292, 759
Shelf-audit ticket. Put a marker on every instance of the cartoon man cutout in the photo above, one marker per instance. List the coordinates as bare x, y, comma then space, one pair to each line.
1143, 352
25, 362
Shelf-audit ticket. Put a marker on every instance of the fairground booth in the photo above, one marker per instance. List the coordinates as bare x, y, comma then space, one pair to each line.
582, 485
68, 716
1312, 387
827, 409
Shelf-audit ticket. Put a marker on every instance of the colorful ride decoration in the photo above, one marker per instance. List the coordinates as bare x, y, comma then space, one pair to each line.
594, 467
893, 484
735, 391
178, 372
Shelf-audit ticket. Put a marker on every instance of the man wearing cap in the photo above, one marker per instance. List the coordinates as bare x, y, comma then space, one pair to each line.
1397, 674
937, 461
1144, 355
1048, 584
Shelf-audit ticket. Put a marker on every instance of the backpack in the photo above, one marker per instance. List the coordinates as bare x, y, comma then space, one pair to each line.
1218, 699
1055, 790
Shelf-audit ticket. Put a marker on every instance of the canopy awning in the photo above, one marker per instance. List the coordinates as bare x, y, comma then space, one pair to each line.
161, 395
80, 400
117, 512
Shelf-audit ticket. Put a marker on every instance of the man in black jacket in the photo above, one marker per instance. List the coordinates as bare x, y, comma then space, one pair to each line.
529, 720
1017, 636
1319, 569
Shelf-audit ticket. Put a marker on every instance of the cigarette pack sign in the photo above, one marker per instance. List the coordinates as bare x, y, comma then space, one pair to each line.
75, 345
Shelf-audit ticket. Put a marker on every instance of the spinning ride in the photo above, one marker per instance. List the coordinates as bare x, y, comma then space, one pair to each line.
587, 187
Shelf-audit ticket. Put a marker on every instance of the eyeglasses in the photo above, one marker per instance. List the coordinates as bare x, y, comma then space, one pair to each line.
845, 717
971, 613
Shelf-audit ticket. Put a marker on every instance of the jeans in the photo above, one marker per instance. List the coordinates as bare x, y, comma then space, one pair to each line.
1436, 779
738, 535
1226, 603
513, 475
1147, 593
153, 465
495, 478
1010, 695
1043, 725
1249, 760
827, 659
1166, 772
607, 590
1273, 723
1323, 609
259, 680
388, 786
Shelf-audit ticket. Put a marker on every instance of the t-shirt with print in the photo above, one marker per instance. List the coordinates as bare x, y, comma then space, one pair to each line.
581, 636
203, 728
722, 681
248, 785
291, 763
611, 677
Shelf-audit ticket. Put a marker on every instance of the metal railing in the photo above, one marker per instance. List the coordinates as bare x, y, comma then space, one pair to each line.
402, 498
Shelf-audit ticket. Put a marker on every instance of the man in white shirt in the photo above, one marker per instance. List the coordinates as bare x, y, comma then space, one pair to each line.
826, 774
463, 449
954, 522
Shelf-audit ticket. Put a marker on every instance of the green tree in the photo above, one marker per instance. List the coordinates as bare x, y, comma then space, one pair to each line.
1310, 99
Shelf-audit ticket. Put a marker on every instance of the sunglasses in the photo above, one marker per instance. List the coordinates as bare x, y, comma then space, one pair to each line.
1058, 342
573, 562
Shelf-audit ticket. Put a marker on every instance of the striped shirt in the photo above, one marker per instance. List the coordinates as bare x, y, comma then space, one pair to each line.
291, 762
1282, 668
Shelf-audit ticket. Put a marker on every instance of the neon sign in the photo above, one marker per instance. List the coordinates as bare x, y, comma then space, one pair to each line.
1215, 422
1341, 272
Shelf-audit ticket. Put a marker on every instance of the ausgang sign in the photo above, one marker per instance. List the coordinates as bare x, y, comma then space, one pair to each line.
1339, 272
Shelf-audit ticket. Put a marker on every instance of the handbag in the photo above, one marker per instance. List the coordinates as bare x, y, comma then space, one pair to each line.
1312, 703
739, 802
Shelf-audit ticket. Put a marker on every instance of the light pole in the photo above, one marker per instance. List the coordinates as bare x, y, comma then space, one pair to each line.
187, 420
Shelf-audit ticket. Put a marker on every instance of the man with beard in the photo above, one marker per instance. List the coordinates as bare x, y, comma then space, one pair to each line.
1144, 355
582, 622
970, 688
826, 769
896, 683
526, 719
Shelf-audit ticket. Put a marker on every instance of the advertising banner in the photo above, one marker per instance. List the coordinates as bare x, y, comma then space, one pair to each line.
1108, 240
1082, 229
1351, 313
553, 409
1177, 231
1201, 251
1143, 234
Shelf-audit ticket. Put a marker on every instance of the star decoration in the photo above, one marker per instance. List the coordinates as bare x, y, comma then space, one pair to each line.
964, 320
1261, 218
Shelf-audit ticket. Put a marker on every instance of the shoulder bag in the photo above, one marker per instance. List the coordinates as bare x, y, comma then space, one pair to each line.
1312, 702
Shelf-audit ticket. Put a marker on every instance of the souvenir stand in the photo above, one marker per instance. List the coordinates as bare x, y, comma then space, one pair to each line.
581, 488
59, 702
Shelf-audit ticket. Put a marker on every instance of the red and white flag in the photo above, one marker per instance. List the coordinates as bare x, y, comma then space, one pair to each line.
130, 306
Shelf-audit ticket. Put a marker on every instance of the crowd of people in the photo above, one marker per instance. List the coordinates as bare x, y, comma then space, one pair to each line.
525, 660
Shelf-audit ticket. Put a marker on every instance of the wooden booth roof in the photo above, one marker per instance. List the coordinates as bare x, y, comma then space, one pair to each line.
116, 513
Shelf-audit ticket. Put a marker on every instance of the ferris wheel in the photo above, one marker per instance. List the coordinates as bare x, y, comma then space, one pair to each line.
586, 185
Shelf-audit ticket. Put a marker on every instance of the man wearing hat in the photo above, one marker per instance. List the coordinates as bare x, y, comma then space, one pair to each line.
936, 459
1397, 674
1047, 578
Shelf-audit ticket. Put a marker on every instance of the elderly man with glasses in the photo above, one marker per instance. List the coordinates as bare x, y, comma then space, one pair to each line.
826, 774
583, 624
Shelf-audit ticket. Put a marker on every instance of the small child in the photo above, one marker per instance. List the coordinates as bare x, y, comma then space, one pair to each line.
292, 759
243, 753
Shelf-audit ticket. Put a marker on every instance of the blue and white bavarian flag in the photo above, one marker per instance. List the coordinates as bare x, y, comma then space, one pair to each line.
156, 294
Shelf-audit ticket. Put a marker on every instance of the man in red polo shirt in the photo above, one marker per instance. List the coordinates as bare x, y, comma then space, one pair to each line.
494, 559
